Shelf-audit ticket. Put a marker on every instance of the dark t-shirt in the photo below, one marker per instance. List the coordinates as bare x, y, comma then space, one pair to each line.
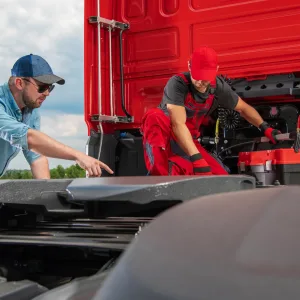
176, 90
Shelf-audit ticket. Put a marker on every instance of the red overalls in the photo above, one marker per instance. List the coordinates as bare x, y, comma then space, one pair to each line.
163, 156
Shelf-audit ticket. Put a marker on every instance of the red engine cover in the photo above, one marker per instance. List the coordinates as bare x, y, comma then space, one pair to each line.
276, 157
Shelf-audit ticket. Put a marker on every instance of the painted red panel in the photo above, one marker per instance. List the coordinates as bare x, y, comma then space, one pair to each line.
151, 46
252, 37
170, 7
135, 9
200, 5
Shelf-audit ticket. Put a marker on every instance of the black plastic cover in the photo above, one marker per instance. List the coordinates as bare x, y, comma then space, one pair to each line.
147, 196
20, 290
26, 191
79, 289
38, 196
242, 245
145, 189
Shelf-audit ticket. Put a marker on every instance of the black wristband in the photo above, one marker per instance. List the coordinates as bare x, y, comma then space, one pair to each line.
264, 126
195, 157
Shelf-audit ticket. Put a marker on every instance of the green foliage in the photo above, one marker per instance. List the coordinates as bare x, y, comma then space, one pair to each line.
54, 174
74, 172
59, 172
17, 174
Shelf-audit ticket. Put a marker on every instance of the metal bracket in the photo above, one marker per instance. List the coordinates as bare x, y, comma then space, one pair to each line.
111, 119
242, 166
268, 165
273, 85
108, 23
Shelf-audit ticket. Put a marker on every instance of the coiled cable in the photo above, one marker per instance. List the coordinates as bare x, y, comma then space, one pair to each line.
229, 119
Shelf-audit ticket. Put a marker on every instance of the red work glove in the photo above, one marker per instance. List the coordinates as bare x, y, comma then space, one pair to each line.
269, 132
200, 165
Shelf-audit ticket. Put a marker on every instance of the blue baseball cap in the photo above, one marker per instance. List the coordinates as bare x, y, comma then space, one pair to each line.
36, 67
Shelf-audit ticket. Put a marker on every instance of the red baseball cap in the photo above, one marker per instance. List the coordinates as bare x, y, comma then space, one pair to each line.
204, 64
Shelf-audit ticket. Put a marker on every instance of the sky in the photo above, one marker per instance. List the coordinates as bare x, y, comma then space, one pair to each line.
54, 30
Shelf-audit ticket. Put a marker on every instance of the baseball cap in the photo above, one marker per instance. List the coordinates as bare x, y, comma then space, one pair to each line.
36, 67
204, 64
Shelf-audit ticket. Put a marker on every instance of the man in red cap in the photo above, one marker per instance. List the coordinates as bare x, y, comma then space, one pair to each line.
171, 131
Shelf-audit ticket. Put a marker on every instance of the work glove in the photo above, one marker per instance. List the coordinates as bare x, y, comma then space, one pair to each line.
200, 166
269, 132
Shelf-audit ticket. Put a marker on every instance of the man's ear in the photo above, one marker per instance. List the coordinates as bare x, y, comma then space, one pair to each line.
19, 83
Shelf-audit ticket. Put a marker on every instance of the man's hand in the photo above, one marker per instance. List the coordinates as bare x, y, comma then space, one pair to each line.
200, 165
45, 145
269, 132
253, 117
92, 165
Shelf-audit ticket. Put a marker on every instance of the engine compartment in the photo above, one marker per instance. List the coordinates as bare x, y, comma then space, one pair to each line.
234, 134
230, 136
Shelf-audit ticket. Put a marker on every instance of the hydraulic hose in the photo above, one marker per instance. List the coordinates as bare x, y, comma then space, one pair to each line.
236, 145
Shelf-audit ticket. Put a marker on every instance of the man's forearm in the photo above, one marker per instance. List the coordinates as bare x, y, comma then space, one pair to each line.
40, 168
45, 145
184, 139
252, 116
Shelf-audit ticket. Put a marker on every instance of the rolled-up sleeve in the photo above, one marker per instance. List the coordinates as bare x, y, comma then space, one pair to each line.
13, 131
30, 155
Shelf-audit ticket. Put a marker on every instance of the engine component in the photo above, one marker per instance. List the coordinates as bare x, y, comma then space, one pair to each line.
229, 119
283, 116
235, 133
259, 165
270, 166
290, 114
274, 112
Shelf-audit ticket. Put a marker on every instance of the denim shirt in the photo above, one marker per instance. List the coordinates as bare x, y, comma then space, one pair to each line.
13, 129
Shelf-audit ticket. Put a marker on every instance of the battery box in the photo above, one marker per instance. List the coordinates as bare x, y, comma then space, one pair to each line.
280, 166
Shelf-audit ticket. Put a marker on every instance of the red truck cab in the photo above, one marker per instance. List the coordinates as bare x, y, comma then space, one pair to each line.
132, 47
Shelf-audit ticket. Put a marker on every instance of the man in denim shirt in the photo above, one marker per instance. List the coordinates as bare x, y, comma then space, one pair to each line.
30, 83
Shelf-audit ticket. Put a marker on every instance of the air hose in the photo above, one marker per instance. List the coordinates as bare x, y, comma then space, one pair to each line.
229, 119
217, 131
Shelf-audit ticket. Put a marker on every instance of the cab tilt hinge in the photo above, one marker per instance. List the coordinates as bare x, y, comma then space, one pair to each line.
109, 23
111, 119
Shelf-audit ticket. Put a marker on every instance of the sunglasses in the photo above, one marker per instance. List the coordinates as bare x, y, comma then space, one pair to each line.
42, 88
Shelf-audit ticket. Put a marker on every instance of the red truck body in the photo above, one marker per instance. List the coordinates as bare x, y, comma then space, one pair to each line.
254, 39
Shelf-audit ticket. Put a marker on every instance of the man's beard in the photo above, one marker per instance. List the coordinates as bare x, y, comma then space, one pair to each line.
30, 103
202, 88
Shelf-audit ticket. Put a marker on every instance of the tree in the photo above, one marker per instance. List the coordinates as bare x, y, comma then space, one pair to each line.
61, 171
26, 174
54, 174
75, 171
